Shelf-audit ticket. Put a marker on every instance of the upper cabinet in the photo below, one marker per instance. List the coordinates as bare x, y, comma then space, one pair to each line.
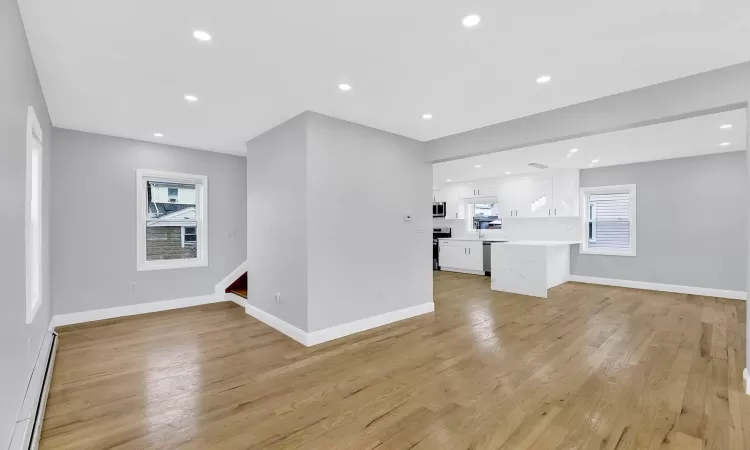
566, 193
547, 194
454, 205
552, 193
479, 189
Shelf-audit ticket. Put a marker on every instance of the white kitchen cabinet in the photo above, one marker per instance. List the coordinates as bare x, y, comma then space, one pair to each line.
534, 196
548, 194
479, 189
506, 199
451, 254
474, 256
461, 255
442, 195
455, 206
566, 193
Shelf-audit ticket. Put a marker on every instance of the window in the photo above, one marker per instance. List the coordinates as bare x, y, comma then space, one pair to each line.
189, 237
172, 194
172, 225
484, 216
609, 220
34, 265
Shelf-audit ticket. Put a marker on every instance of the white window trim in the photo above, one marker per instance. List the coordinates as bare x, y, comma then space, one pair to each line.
34, 129
201, 216
585, 193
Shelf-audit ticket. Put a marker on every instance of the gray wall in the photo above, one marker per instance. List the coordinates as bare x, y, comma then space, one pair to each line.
363, 258
692, 222
94, 184
19, 89
717, 90
277, 221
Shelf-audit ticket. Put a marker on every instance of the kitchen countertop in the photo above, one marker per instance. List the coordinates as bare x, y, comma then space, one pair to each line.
506, 241
474, 239
542, 242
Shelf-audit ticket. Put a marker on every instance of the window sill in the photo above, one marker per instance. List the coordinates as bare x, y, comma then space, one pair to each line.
605, 252
174, 264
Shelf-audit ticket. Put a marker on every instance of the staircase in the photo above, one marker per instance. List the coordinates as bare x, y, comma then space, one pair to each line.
239, 286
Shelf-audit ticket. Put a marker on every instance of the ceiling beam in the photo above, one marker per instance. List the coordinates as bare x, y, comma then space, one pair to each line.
711, 92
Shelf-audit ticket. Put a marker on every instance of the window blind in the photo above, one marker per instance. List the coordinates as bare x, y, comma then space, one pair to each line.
610, 221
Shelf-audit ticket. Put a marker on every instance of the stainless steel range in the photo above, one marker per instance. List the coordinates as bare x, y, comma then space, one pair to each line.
438, 233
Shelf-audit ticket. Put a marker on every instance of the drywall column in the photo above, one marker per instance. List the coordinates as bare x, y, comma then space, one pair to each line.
747, 285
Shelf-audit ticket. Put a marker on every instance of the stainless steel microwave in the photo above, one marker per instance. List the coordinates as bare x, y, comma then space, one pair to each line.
438, 209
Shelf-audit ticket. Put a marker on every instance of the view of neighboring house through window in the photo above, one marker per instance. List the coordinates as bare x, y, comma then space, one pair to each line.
172, 225
485, 215
173, 194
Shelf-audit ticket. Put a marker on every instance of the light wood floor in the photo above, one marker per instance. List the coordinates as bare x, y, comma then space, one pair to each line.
592, 367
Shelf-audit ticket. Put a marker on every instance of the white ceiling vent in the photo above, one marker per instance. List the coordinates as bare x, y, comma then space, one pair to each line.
538, 166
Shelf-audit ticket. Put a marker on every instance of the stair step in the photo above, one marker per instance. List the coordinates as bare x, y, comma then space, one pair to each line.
241, 292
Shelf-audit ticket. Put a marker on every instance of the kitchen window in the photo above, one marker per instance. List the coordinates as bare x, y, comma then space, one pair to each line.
609, 220
172, 220
484, 216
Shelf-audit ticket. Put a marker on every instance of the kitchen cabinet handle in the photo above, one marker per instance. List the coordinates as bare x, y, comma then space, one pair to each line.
555, 211
550, 212
470, 250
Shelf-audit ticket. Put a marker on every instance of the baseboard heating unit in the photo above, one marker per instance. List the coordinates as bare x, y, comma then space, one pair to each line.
28, 428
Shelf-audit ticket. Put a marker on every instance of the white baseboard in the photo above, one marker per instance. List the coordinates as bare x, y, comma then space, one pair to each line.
470, 272
230, 297
338, 331
131, 310
709, 292
278, 324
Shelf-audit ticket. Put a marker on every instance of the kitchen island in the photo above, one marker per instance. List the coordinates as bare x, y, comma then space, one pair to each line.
530, 267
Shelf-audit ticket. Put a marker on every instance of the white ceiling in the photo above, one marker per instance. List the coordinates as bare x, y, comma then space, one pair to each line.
690, 137
122, 68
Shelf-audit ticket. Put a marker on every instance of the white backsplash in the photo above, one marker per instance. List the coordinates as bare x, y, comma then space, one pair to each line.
537, 229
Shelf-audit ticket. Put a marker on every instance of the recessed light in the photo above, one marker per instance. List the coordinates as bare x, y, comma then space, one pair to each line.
725, 144
448, 181
573, 150
158, 135
726, 126
427, 116
477, 165
594, 161
507, 173
201, 35
471, 21
345, 87
191, 98
543, 79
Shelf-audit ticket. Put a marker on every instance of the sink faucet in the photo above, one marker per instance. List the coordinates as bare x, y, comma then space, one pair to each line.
480, 234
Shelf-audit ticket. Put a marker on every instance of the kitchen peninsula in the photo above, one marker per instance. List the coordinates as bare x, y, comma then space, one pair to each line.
530, 267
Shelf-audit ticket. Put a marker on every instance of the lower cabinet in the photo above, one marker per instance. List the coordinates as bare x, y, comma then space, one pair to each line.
463, 255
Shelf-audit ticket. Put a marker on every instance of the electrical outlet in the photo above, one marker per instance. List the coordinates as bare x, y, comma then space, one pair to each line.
277, 298
131, 286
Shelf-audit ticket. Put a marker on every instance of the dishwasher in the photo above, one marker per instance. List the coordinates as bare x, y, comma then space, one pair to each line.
487, 256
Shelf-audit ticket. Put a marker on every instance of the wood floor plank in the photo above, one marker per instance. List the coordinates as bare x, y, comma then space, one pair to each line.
590, 367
